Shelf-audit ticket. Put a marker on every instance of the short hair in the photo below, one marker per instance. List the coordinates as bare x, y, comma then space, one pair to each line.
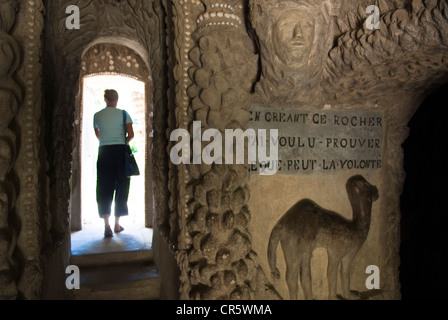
110, 95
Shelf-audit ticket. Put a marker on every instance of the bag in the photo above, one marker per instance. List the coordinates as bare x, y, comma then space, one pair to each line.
130, 165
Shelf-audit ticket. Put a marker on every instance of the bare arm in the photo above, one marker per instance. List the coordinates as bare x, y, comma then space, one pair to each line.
97, 133
130, 132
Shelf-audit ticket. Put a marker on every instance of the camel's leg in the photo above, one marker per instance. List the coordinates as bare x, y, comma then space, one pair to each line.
332, 276
292, 259
345, 277
305, 275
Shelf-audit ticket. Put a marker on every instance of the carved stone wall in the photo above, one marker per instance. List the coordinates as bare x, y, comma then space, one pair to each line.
215, 73
11, 96
23, 190
389, 70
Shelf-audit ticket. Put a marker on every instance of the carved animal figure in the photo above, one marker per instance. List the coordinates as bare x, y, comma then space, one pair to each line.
306, 226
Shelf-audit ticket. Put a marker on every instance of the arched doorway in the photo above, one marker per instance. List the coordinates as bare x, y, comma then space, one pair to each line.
131, 99
111, 66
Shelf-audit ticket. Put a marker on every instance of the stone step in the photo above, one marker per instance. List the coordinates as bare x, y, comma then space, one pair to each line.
112, 258
135, 281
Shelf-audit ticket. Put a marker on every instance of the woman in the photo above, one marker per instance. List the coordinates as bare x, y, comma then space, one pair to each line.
108, 125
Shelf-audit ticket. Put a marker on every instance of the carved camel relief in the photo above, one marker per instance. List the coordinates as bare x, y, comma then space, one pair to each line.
307, 226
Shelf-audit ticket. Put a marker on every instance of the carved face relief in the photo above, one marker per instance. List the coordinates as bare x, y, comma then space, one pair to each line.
292, 37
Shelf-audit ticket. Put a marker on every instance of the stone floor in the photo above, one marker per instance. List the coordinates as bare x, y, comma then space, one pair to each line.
91, 240
116, 268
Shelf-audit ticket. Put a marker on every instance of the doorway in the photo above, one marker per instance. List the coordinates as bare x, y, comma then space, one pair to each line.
132, 99
112, 66
89, 239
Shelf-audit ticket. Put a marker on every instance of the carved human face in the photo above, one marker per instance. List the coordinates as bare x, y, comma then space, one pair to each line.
292, 36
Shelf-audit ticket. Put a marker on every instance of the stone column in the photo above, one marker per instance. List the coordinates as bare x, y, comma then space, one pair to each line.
21, 217
11, 96
215, 71
31, 199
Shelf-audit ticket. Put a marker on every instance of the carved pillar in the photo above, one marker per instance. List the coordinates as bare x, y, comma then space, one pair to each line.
29, 161
215, 71
21, 192
10, 99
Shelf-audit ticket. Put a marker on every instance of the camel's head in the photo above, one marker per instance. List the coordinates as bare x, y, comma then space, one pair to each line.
357, 186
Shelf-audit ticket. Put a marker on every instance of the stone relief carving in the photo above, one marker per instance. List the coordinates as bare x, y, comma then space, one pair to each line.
307, 226
31, 201
215, 253
10, 99
390, 70
114, 59
408, 52
294, 39
318, 52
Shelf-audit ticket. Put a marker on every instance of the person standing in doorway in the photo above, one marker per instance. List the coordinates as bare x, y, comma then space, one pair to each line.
111, 179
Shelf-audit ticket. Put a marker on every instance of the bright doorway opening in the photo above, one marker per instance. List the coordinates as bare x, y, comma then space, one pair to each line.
132, 99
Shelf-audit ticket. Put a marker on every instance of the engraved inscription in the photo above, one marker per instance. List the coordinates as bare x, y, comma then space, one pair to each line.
324, 141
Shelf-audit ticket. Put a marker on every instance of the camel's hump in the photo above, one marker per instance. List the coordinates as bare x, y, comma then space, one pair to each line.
307, 206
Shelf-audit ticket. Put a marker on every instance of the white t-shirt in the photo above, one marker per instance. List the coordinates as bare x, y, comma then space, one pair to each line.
109, 121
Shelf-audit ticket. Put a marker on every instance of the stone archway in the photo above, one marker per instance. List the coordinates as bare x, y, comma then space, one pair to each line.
143, 32
112, 59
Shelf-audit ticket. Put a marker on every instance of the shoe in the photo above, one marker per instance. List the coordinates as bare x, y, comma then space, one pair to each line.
119, 229
108, 233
